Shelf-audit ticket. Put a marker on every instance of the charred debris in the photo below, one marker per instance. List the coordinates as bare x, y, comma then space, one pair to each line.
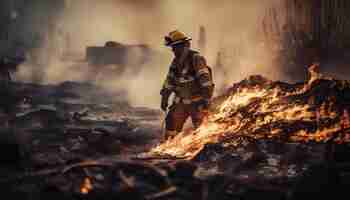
263, 139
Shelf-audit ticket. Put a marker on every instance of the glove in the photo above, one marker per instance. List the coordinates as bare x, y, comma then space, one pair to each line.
165, 96
164, 103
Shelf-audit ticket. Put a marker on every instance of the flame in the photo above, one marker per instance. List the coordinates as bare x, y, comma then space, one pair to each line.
262, 110
241, 98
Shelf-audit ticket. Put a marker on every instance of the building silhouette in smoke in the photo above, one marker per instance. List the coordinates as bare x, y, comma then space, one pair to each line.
123, 56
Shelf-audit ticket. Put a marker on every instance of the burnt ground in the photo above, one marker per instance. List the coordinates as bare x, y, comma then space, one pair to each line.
56, 125
78, 109
75, 141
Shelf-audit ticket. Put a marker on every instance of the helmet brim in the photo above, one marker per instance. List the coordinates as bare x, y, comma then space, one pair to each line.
169, 44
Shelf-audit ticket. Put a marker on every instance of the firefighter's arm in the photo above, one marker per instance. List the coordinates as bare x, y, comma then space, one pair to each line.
167, 89
204, 76
169, 84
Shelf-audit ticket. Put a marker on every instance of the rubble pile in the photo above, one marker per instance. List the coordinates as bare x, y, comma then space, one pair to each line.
271, 130
259, 109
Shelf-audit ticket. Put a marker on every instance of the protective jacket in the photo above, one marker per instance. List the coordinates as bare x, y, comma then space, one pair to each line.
189, 78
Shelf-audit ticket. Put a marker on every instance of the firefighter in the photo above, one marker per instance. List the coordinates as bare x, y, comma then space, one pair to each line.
190, 80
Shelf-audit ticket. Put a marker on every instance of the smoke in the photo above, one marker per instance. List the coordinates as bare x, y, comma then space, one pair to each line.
231, 27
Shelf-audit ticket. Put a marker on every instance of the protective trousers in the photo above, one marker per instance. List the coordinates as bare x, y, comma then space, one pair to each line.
179, 113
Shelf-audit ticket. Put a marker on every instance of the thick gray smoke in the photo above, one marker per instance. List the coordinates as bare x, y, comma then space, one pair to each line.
230, 25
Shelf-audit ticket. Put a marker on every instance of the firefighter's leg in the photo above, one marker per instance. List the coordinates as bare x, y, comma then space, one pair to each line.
175, 119
197, 116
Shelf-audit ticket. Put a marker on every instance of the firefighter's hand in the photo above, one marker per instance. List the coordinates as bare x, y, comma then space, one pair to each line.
164, 104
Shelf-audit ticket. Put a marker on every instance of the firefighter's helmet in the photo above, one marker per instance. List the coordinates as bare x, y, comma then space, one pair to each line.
176, 37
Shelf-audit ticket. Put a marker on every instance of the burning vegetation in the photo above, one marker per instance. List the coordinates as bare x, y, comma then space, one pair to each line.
257, 108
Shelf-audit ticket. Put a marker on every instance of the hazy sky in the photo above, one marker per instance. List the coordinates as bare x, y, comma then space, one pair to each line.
146, 21
227, 22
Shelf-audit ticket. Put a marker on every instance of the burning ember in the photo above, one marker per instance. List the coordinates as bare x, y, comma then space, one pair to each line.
257, 108
86, 186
